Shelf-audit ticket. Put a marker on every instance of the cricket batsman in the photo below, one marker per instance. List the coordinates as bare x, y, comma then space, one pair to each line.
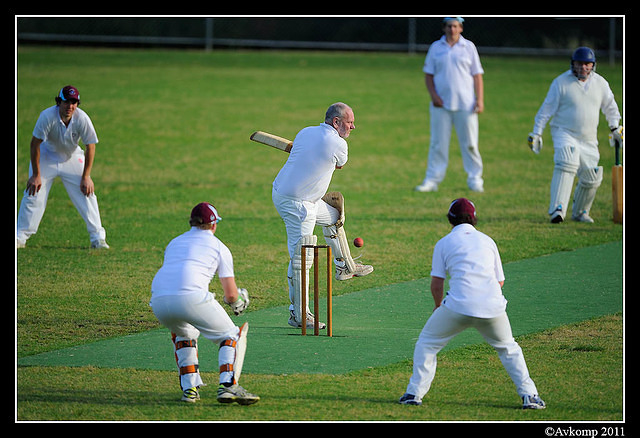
573, 105
300, 196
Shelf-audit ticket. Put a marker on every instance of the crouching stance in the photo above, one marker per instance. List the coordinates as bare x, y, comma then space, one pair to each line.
181, 301
472, 261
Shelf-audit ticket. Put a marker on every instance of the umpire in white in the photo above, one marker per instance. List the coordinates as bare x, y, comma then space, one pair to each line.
454, 80
472, 261
55, 153
573, 104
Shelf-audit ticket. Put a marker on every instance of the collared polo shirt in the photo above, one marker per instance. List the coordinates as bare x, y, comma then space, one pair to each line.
453, 68
472, 261
60, 141
316, 152
190, 262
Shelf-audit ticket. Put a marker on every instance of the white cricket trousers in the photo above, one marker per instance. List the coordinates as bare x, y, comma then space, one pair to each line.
466, 125
70, 172
445, 324
188, 316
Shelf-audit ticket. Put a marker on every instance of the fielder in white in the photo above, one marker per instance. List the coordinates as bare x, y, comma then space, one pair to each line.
573, 104
181, 301
454, 79
300, 196
55, 152
472, 261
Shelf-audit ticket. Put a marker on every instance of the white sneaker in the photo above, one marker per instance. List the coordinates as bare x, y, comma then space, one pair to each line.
557, 216
99, 244
410, 399
477, 187
20, 243
293, 322
343, 273
427, 186
236, 393
583, 217
191, 395
533, 402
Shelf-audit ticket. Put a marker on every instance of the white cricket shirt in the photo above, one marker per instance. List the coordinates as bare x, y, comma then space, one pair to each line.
190, 262
453, 68
472, 261
60, 141
316, 152
574, 106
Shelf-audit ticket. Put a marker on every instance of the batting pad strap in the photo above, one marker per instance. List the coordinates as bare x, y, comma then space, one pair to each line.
226, 368
188, 369
228, 343
186, 343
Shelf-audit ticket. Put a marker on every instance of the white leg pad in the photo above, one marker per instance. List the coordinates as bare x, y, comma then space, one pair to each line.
296, 279
589, 179
336, 238
186, 351
561, 186
564, 172
231, 356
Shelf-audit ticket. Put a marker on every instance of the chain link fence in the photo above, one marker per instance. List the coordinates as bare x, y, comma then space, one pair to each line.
492, 35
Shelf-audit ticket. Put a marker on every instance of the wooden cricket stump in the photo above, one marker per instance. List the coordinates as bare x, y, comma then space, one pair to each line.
316, 290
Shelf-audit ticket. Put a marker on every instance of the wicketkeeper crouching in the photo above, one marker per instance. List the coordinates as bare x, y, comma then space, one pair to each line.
181, 301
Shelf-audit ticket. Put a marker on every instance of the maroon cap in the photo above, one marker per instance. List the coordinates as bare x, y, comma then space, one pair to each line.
69, 92
460, 207
205, 213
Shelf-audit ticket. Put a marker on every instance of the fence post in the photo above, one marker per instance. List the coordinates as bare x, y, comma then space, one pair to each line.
412, 36
208, 43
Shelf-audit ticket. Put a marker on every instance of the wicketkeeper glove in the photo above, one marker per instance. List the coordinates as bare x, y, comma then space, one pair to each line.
616, 135
241, 304
535, 142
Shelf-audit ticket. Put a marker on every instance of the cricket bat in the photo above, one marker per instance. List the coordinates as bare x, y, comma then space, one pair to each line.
272, 140
617, 187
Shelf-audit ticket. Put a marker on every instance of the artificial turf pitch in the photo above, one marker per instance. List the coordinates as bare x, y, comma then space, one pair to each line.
379, 326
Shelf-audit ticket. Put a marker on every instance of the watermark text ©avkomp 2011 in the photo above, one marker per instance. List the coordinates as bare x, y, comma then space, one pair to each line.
601, 431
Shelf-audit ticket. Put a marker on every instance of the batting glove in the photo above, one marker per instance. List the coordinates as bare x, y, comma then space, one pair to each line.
616, 135
535, 142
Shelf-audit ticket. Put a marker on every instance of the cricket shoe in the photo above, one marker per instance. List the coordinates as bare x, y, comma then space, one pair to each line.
557, 216
409, 399
293, 322
236, 393
343, 273
532, 402
582, 217
99, 244
477, 186
427, 186
190, 395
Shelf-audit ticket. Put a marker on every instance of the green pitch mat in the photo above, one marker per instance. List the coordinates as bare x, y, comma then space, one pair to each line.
379, 326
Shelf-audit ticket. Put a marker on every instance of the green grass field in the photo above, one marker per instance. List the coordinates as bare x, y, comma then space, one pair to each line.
174, 130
